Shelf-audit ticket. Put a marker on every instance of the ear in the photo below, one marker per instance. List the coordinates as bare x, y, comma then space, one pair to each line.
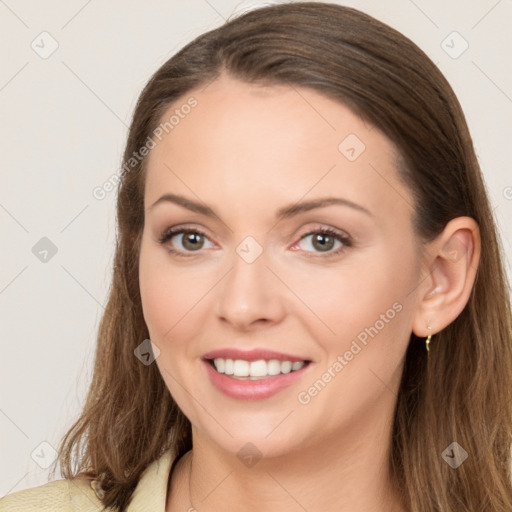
450, 268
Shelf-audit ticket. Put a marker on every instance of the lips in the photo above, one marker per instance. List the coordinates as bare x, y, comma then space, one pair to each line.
252, 355
254, 374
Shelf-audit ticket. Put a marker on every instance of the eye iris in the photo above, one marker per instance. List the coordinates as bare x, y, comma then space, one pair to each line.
193, 238
326, 241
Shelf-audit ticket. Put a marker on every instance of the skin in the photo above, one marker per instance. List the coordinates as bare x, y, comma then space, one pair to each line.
247, 151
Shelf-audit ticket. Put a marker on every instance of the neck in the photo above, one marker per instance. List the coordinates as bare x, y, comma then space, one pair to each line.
347, 472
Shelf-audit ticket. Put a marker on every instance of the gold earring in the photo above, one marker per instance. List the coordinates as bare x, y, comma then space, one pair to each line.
427, 342
429, 337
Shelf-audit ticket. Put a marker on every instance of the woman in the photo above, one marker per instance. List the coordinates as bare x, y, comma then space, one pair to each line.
339, 338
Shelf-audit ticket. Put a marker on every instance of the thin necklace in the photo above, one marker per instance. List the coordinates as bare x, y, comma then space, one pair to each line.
189, 488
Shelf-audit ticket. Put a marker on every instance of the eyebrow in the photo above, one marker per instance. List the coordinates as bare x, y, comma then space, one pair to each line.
283, 213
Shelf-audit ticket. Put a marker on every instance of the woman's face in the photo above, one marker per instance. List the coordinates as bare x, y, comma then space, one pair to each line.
320, 323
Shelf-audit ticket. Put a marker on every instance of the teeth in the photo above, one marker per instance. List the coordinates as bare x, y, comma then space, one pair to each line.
240, 368
220, 364
228, 366
286, 367
273, 367
255, 369
258, 368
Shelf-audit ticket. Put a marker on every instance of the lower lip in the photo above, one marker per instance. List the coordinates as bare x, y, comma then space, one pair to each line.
253, 389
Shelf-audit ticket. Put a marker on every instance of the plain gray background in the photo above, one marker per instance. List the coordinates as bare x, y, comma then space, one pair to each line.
64, 121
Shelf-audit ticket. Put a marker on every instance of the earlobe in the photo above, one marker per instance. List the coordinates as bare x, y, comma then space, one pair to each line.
451, 271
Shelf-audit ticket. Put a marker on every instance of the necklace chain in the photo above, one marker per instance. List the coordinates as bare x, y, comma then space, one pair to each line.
189, 485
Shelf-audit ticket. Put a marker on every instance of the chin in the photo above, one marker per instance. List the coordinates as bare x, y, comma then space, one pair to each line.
258, 435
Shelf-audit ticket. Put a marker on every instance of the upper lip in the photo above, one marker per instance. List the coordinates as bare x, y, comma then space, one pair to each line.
252, 355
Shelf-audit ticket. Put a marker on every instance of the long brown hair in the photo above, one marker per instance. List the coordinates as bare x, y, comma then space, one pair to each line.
462, 395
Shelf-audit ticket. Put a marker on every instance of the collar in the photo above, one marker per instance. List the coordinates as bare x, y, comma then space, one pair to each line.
151, 491
150, 494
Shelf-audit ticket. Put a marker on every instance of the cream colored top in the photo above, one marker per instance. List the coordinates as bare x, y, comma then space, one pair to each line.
80, 495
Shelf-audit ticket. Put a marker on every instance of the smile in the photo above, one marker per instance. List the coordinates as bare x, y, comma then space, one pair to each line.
255, 370
253, 380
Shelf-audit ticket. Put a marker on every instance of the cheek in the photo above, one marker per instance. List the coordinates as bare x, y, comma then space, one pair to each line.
368, 309
157, 303
175, 302
171, 301
167, 292
166, 300
365, 303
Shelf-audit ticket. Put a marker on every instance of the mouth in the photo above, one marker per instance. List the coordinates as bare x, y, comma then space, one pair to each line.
255, 374
241, 369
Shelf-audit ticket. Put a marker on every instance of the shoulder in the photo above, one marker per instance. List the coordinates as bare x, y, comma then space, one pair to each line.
75, 495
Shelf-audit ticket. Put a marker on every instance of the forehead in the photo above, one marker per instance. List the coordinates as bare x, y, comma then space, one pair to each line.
247, 142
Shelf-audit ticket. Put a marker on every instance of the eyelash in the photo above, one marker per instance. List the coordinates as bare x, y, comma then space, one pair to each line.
346, 241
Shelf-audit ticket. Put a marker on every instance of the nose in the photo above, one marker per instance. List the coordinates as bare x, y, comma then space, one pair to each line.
250, 295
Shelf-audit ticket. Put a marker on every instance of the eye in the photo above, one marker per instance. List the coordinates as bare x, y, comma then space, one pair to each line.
324, 240
192, 240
